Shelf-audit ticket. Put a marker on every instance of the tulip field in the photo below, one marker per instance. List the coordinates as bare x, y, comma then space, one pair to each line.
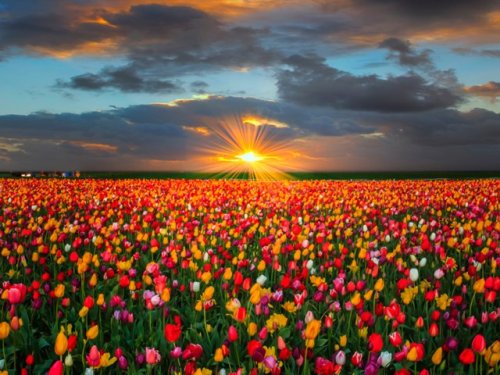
190, 276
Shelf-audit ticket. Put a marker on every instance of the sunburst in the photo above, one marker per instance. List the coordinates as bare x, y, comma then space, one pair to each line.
237, 148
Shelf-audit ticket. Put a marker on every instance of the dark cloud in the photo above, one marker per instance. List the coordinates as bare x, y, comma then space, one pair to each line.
151, 136
51, 32
125, 79
426, 20
199, 87
311, 82
405, 54
158, 41
430, 10
481, 52
490, 90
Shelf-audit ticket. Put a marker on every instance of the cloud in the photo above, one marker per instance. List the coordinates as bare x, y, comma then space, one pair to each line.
199, 87
171, 135
490, 90
428, 20
311, 82
405, 54
481, 52
159, 41
125, 79
433, 10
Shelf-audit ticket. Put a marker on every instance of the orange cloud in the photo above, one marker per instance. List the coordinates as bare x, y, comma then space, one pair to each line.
103, 147
489, 90
201, 130
257, 121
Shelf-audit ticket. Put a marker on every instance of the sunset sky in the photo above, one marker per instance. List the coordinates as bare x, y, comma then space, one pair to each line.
344, 85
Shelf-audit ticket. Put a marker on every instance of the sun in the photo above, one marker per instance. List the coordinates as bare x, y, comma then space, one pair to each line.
250, 157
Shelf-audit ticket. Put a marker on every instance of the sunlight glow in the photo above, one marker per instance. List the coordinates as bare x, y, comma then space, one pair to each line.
250, 157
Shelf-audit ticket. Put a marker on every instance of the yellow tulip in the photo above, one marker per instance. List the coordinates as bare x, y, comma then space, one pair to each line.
61, 344
83, 312
4, 330
312, 329
59, 290
252, 329
379, 285
92, 332
343, 340
218, 357
437, 357
412, 355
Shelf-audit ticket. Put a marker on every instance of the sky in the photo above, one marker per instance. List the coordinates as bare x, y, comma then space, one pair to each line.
337, 85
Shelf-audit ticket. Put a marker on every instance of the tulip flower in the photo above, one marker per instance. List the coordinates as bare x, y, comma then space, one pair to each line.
467, 356
153, 356
94, 357
478, 344
385, 359
375, 342
92, 332
4, 330
172, 332
57, 368
61, 344
437, 357
232, 333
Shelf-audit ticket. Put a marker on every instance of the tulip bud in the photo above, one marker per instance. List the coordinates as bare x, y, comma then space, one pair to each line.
68, 361
4, 330
232, 333
437, 357
340, 358
478, 343
92, 332
61, 344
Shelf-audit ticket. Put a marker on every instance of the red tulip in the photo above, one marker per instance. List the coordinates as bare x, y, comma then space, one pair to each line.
433, 330
232, 333
478, 343
72, 342
57, 368
467, 356
395, 339
94, 357
324, 366
192, 352
357, 359
375, 342
241, 314
172, 332
16, 293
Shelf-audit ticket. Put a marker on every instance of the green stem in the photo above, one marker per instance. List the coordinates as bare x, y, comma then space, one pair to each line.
4, 355
471, 301
305, 369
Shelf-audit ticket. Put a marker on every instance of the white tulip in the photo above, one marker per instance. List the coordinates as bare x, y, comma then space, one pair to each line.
340, 358
385, 359
68, 361
423, 262
261, 280
196, 286
414, 274
439, 273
